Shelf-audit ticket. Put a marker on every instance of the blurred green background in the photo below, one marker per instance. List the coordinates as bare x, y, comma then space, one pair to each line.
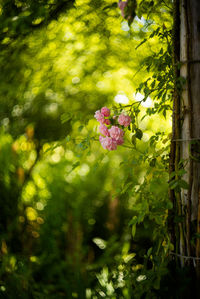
66, 203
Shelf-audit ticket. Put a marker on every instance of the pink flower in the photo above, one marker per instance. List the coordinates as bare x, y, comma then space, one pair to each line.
105, 111
120, 141
124, 120
103, 141
108, 143
116, 133
104, 130
122, 5
99, 116
107, 122
101, 138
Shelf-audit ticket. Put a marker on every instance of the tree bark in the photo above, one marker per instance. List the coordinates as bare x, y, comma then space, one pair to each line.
190, 121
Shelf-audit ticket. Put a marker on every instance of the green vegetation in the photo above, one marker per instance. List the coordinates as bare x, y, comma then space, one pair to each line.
76, 220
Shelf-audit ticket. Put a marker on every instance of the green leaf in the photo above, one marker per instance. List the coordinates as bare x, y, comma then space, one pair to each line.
149, 251
113, 5
152, 162
75, 165
80, 128
173, 184
133, 221
138, 134
133, 140
183, 184
133, 230
172, 174
126, 187
181, 172
129, 257
141, 43
164, 114
169, 205
65, 117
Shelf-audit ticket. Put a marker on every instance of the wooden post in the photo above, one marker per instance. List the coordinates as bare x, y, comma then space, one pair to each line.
190, 116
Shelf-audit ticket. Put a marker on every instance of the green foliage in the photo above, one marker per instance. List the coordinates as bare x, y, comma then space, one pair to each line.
76, 221
19, 18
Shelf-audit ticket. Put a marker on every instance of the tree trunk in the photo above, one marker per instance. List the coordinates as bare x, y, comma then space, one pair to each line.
189, 121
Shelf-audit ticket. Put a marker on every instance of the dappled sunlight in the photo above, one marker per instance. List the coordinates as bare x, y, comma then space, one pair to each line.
121, 99
82, 220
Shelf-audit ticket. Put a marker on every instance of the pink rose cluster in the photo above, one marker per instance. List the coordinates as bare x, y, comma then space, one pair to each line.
124, 120
100, 116
112, 134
